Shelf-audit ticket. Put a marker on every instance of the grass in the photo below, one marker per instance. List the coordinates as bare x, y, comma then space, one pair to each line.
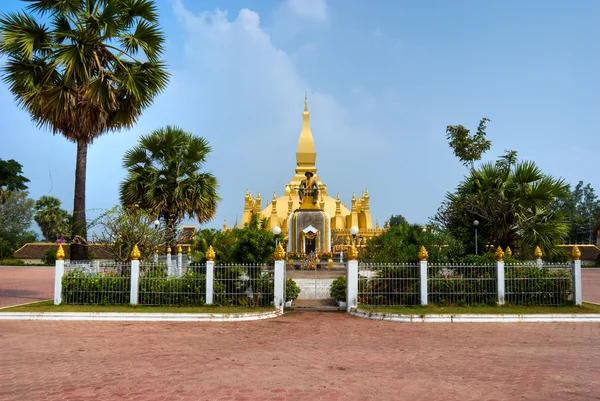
48, 306
482, 310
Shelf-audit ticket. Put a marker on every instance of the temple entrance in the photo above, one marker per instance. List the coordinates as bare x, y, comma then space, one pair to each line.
310, 245
314, 277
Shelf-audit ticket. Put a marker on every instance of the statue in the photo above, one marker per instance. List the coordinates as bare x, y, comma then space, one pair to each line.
308, 188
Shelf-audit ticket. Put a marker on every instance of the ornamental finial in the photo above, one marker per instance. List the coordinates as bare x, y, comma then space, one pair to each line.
537, 253
210, 254
306, 101
575, 253
423, 255
168, 249
178, 248
279, 253
60, 253
508, 251
353, 254
135, 253
499, 254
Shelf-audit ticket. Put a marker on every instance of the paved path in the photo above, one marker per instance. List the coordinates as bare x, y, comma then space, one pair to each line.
21, 285
590, 283
300, 356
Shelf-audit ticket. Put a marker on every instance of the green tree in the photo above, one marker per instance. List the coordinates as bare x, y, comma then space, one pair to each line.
468, 148
221, 241
581, 208
395, 220
11, 178
53, 221
255, 243
164, 177
81, 69
16, 215
513, 204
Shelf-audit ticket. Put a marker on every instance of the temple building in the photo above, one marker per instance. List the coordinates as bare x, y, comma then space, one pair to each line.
279, 209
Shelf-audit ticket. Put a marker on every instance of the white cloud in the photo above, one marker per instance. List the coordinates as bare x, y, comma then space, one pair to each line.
308, 9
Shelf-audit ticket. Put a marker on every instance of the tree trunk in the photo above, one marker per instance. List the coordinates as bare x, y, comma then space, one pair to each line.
79, 250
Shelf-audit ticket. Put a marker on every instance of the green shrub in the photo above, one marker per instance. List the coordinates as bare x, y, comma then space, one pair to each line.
11, 262
463, 285
158, 289
391, 285
529, 285
49, 257
338, 289
292, 290
79, 288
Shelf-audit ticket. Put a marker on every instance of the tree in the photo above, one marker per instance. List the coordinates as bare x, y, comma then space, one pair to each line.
513, 204
11, 178
164, 177
122, 229
15, 219
581, 208
468, 148
255, 243
90, 67
53, 221
395, 221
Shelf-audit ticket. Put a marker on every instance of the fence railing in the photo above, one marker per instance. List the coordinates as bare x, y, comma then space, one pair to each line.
462, 284
388, 284
527, 284
247, 285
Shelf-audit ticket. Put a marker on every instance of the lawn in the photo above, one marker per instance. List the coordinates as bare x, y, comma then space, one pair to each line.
481, 310
48, 306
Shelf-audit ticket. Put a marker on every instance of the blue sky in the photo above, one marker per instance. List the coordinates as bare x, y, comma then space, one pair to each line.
384, 79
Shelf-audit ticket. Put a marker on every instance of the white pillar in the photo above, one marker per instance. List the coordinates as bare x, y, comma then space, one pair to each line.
352, 285
577, 296
59, 270
423, 281
210, 276
342, 257
179, 264
155, 257
279, 284
539, 263
135, 280
96, 266
500, 282
169, 269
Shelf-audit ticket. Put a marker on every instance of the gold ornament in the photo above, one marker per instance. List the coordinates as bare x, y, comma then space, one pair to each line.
499, 254
353, 254
279, 253
538, 252
330, 263
508, 251
135, 253
156, 251
575, 253
178, 248
423, 255
169, 249
210, 254
60, 253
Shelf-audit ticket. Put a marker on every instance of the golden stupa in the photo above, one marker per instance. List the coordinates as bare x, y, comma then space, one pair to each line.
279, 209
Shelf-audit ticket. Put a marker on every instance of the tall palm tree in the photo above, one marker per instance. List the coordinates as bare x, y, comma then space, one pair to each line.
91, 67
52, 219
165, 178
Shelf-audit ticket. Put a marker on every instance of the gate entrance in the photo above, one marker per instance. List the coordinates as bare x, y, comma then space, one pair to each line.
314, 277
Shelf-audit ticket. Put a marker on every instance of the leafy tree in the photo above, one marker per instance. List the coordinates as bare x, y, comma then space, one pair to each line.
396, 220
255, 243
11, 178
164, 177
221, 241
468, 148
81, 69
53, 221
581, 207
513, 204
123, 229
15, 219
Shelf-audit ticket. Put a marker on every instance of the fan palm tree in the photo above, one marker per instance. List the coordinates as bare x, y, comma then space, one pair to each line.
164, 177
52, 219
91, 67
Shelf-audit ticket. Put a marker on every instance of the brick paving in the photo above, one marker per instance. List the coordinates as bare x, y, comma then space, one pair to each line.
25, 284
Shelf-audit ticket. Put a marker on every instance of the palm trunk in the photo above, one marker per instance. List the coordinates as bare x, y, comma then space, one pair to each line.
79, 251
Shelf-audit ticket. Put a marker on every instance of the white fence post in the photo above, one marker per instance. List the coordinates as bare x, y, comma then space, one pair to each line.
538, 257
179, 262
96, 266
577, 295
423, 281
59, 270
279, 282
352, 280
210, 275
169, 269
501, 282
135, 282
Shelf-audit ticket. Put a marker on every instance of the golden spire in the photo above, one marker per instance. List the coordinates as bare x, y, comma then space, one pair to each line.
306, 101
290, 204
224, 223
236, 222
60, 253
423, 255
377, 223
499, 254
288, 190
306, 156
210, 254
575, 253
537, 253
135, 253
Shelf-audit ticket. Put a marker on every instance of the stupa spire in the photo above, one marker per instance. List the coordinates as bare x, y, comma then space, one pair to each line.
306, 155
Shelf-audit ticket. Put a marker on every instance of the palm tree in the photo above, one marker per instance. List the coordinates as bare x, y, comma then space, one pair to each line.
92, 67
53, 221
164, 177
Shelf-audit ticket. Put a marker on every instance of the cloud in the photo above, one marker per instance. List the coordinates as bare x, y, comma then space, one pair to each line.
307, 9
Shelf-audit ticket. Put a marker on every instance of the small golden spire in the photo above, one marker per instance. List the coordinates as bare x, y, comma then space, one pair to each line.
274, 196
508, 251
156, 251
499, 254
367, 192
306, 101
60, 253
210, 254
377, 223
338, 196
279, 253
288, 190
423, 255
575, 253
537, 253
224, 223
236, 223
178, 248
353, 254
168, 250
135, 253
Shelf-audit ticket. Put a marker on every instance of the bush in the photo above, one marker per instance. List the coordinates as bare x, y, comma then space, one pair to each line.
338, 289
80, 288
292, 290
392, 285
49, 257
157, 289
11, 262
529, 285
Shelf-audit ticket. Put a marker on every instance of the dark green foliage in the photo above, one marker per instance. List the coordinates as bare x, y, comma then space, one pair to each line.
338, 289
468, 148
529, 285
11, 262
392, 285
101, 289
462, 285
16, 214
582, 209
49, 257
156, 289
292, 290
396, 220
244, 286
54, 221
6, 248
11, 178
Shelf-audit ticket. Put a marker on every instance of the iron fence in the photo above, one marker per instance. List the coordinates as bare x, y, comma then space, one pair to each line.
156, 287
388, 284
530, 284
462, 284
96, 283
245, 285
